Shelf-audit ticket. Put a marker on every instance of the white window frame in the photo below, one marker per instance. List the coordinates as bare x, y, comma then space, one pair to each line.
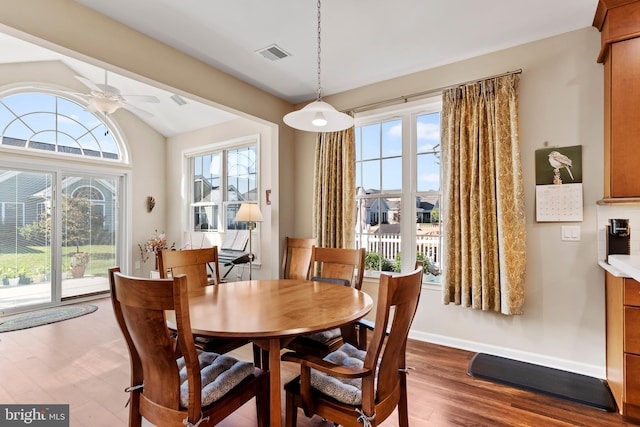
408, 113
188, 173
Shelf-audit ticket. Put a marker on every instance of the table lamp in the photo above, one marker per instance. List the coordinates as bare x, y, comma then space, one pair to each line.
249, 213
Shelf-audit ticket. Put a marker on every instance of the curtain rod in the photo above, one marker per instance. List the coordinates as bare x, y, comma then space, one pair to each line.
405, 98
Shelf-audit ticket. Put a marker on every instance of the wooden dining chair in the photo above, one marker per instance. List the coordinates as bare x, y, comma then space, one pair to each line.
343, 267
353, 387
181, 385
196, 264
365, 325
296, 261
200, 265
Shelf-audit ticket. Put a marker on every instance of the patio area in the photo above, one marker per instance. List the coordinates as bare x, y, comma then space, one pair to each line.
14, 297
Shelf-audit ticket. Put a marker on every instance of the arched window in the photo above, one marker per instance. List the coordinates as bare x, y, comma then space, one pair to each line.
41, 121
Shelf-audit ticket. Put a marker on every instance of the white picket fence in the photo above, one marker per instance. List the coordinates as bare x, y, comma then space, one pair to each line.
388, 245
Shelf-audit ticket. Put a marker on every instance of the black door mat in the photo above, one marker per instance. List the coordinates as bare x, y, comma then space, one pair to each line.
570, 386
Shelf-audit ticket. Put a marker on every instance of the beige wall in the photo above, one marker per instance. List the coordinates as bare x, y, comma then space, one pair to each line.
561, 103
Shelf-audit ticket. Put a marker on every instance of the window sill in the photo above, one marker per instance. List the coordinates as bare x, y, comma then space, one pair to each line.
374, 277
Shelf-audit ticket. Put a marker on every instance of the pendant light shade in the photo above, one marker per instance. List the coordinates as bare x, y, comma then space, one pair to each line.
318, 116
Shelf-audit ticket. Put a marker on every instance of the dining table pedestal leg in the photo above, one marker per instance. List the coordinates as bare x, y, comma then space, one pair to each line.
273, 347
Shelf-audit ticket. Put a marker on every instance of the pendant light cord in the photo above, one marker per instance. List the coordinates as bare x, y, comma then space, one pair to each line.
319, 50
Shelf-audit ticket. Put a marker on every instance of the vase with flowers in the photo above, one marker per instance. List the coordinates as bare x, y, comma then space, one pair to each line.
154, 245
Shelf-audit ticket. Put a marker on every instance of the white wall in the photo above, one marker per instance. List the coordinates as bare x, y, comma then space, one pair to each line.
561, 104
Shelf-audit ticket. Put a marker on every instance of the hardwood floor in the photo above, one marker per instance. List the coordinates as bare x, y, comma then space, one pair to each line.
83, 362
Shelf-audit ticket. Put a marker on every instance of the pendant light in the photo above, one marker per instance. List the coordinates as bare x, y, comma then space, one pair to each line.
318, 116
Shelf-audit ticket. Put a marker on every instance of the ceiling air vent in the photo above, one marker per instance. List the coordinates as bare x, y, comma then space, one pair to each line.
178, 99
273, 52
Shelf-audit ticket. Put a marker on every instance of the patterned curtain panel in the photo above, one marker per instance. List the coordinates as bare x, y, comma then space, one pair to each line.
484, 222
334, 189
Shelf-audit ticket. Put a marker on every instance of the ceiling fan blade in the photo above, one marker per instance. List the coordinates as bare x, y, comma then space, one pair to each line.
138, 111
88, 83
112, 90
142, 98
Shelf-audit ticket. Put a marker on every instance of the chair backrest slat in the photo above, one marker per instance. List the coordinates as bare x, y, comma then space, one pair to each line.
402, 293
339, 263
296, 261
191, 262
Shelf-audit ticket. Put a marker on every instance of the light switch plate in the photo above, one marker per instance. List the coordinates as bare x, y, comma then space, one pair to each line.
570, 233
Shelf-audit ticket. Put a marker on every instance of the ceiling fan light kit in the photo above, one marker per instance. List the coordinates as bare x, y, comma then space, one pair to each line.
318, 116
104, 105
107, 99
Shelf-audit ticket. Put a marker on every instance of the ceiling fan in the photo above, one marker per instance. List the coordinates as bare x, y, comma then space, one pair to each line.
106, 99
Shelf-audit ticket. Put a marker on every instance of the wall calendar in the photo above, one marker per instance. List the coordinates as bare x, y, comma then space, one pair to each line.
560, 202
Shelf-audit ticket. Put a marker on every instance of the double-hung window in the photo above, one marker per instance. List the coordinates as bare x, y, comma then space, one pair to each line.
222, 179
398, 195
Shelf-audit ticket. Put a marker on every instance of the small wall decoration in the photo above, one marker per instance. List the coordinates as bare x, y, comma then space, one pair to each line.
151, 203
559, 184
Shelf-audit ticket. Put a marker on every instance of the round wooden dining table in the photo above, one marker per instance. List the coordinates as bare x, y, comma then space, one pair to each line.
271, 313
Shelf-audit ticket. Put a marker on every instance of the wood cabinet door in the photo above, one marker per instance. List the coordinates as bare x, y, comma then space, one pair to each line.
632, 331
632, 386
625, 118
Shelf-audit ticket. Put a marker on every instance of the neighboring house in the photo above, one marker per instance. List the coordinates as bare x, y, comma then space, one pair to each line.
24, 203
423, 210
388, 211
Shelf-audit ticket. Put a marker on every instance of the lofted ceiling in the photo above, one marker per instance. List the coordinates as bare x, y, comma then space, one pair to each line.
363, 42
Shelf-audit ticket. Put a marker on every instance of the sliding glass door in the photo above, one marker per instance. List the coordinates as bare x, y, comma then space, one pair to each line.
88, 234
25, 239
58, 236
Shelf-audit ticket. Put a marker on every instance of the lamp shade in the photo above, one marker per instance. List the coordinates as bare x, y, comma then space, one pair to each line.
249, 212
318, 116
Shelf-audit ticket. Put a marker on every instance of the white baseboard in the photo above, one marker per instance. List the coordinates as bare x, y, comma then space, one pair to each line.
523, 356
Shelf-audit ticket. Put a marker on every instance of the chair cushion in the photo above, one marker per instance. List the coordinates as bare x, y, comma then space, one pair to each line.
324, 336
343, 282
219, 374
345, 390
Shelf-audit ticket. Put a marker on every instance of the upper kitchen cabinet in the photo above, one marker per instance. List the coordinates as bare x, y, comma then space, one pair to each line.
619, 24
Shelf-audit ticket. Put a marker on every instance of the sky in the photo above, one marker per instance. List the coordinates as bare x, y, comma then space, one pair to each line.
379, 151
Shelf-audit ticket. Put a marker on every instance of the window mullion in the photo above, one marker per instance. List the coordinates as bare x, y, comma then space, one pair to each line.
408, 225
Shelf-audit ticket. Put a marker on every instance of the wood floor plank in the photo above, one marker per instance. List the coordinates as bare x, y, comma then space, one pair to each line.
84, 362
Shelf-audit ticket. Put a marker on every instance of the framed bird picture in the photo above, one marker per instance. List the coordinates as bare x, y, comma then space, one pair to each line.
559, 165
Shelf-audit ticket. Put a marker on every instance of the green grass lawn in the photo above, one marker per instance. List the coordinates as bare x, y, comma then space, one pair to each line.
31, 261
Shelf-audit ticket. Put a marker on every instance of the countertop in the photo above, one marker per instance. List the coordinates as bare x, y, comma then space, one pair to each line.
623, 266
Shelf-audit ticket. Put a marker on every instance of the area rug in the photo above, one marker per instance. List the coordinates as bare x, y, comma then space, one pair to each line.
43, 317
570, 386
